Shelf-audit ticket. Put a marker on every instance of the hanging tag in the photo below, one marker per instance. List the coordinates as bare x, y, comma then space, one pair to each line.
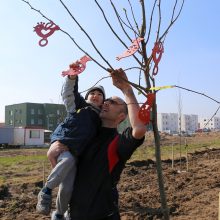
44, 31
157, 54
132, 49
144, 112
79, 68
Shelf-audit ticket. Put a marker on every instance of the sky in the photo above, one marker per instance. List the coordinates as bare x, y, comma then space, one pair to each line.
30, 73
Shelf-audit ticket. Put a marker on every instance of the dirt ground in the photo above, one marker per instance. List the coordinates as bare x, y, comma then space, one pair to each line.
191, 195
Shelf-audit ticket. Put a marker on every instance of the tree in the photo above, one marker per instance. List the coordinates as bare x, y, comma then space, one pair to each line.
147, 33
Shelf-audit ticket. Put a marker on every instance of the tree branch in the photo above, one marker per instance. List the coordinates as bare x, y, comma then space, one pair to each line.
77, 45
119, 20
173, 20
134, 17
86, 34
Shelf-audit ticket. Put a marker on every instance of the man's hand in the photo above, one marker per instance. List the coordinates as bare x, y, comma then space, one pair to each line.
54, 151
120, 79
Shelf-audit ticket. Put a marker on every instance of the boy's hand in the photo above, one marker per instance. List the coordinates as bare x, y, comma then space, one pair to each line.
74, 66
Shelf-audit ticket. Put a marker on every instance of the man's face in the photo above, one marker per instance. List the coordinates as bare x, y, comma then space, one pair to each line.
112, 109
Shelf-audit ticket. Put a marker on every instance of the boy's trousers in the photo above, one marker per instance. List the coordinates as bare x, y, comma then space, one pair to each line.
63, 175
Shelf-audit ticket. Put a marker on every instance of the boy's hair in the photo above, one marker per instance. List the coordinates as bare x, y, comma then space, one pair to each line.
99, 88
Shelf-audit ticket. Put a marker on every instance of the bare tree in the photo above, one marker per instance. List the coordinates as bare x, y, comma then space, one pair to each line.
147, 33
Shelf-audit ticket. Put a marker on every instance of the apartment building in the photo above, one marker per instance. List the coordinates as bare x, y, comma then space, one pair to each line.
167, 122
212, 124
189, 123
173, 123
34, 115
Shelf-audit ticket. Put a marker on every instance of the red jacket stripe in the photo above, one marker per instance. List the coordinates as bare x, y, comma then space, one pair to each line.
112, 154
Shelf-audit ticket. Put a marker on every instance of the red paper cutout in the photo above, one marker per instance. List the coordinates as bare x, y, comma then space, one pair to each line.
81, 65
132, 49
157, 54
144, 112
44, 31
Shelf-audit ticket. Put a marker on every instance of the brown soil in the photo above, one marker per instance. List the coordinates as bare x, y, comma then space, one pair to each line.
191, 195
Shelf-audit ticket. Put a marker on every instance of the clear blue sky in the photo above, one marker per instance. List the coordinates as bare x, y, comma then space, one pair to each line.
30, 73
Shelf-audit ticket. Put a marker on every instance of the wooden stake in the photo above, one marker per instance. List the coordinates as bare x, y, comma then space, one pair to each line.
219, 206
187, 161
172, 157
43, 172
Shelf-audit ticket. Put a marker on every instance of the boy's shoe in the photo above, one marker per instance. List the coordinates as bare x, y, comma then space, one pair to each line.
44, 203
54, 217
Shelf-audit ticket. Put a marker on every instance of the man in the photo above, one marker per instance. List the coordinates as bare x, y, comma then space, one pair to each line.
95, 195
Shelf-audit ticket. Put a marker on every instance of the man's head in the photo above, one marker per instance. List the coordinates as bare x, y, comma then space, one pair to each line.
114, 111
95, 95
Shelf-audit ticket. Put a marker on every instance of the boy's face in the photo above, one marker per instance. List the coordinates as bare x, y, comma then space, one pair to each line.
96, 98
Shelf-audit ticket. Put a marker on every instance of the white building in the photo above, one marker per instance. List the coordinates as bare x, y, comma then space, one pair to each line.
167, 122
171, 122
213, 124
19, 136
188, 123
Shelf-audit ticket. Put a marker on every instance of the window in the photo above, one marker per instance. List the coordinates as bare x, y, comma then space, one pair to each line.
32, 111
40, 121
32, 121
58, 112
10, 112
39, 112
34, 134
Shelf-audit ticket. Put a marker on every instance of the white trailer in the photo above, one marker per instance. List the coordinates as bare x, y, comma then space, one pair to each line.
19, 136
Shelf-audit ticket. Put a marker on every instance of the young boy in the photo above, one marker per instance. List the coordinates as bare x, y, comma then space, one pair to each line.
79, 127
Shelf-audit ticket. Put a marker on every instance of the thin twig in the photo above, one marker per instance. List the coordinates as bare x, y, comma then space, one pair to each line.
87, 35
190, 90
130, 25
134, 17
135, 67
110, 24
119, 20
173, 20
151, 21
77, 45
96, 83
212, 116
159, 24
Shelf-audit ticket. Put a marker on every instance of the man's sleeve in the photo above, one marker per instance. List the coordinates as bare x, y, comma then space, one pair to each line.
70, 95
127, 144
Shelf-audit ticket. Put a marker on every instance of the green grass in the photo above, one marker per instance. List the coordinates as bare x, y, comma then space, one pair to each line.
17, 168
10, 161
145, 152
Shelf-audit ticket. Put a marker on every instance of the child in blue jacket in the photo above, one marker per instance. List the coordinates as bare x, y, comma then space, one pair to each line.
79, 127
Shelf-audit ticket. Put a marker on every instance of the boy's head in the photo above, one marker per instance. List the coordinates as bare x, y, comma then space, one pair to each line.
95, 95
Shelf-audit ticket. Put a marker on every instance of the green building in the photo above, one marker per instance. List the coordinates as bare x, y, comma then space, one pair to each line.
35, 115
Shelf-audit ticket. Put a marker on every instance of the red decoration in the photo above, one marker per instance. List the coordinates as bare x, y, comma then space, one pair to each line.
81, 65
157, 54
144, 112
132, 49
44, 31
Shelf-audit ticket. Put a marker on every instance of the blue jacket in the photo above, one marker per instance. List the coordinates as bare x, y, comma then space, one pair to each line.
82, 122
